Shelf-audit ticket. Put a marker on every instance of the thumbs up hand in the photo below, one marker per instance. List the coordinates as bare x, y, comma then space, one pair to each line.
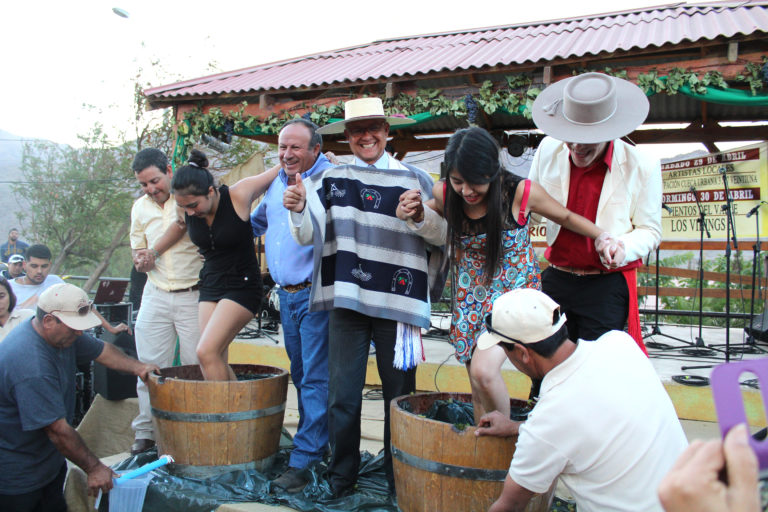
295, 196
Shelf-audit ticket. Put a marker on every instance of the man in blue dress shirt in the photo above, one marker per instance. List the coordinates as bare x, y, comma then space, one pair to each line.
305, 333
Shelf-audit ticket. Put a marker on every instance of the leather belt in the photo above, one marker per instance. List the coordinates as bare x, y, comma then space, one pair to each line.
293, 288
579, 271
182, 290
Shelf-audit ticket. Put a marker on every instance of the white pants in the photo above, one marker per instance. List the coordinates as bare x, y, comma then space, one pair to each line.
162, 317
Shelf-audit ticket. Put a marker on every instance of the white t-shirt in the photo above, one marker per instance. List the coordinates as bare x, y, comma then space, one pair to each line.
25, 291
605, 425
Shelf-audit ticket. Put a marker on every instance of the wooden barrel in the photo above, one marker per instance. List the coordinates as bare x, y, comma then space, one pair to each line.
212, 427
439, 467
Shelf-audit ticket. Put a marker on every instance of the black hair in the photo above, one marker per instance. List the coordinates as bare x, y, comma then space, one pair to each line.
315, 138
546, 347
150, 157
39, 251
13, 229
474, 154
11, 296
194, 178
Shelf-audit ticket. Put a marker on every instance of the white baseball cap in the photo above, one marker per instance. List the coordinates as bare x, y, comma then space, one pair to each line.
524, 316
69, 304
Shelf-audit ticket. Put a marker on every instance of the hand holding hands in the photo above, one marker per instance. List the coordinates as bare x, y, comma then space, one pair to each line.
295, 196
144, 260
497, 425
410, 206
610, 249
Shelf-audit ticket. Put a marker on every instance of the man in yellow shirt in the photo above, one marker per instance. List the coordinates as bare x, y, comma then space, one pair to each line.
169, 302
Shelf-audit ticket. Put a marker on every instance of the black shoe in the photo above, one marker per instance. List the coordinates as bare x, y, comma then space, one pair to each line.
292, 480
141, 445
343, 492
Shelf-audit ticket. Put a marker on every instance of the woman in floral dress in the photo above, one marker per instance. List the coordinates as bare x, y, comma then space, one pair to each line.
487, 209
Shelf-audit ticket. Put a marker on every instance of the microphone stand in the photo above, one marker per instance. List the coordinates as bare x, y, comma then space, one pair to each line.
756, 250
730, 231
699, 348
655, 330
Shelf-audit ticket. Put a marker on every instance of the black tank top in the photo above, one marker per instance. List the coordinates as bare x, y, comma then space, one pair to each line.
227, 245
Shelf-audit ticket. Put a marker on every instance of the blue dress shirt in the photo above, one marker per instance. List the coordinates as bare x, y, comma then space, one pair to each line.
289, 263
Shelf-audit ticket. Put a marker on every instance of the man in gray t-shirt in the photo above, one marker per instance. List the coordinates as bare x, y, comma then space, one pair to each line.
38, 362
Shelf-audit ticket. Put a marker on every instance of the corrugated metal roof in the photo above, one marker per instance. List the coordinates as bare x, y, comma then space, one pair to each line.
487, 47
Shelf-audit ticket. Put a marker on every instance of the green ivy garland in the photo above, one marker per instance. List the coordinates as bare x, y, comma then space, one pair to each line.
515, 97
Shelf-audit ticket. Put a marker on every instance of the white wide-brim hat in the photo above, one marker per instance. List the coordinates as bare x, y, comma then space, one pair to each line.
590, 108
359, 110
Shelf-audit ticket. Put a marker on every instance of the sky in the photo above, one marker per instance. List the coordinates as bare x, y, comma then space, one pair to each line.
59, 56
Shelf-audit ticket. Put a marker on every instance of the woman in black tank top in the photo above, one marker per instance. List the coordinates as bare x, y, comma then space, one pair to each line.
218, 222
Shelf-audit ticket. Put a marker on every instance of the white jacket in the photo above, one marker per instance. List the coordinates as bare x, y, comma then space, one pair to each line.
630, 202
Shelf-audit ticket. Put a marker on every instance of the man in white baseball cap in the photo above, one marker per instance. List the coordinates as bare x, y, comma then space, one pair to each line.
38, 361
584, 165
603, 423
15, 267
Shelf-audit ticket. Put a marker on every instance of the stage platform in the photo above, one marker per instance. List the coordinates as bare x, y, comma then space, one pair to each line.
442, 372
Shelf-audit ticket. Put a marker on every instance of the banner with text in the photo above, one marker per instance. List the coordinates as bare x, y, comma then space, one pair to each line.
746, 172
704, 178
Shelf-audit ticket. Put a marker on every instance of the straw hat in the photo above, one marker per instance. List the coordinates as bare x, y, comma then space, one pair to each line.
360, 109
590, 108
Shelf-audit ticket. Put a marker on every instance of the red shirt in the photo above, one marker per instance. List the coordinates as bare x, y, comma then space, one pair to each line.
571, 249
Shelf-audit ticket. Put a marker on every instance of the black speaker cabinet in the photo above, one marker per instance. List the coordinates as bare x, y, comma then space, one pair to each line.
116, 313
111, 384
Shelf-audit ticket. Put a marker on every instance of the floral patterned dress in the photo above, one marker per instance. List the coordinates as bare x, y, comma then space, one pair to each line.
473, 299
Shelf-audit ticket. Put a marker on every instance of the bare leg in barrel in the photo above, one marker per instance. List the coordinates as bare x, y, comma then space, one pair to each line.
219, 324
489, 392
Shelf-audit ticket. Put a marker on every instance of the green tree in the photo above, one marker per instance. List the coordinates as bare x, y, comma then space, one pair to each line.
77, 197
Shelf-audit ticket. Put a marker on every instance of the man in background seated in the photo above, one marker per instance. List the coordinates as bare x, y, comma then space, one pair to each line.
603, 424
15, 267
38, 362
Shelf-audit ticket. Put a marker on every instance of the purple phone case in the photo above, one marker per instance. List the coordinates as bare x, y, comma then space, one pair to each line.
729, 402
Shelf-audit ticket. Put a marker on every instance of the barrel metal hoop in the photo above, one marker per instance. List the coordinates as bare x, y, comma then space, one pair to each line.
222, 417
489, 475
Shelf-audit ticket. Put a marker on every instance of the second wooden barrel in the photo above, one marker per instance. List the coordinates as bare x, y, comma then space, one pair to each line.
211, 427
440, 467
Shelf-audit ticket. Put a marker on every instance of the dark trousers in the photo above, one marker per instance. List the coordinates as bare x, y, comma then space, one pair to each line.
49, 498
594, 304
349, 342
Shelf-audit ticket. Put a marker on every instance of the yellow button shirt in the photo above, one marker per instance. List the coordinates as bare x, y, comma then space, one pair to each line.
178, 267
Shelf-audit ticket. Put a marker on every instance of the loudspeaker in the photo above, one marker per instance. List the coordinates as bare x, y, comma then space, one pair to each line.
116, 313
111, 384
759, 329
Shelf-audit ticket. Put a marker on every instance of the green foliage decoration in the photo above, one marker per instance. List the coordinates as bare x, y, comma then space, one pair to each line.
514, 96
753, 75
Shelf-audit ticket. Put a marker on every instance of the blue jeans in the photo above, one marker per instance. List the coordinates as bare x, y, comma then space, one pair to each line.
306, 342
350, 341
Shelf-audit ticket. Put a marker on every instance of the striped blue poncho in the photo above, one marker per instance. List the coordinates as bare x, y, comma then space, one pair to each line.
370, 262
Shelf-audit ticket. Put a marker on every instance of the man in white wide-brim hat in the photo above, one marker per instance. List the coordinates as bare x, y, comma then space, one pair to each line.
585, 166
371, 275
604, 425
